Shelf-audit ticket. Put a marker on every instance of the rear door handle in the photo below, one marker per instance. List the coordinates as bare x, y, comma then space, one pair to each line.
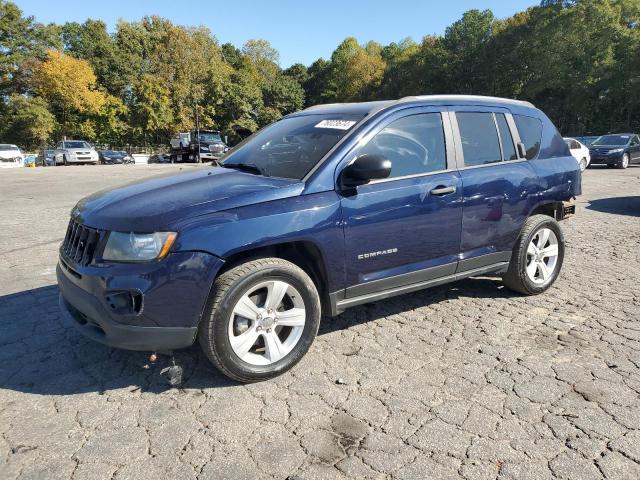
441, 190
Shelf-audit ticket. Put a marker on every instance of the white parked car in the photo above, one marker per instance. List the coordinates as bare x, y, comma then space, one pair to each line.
10, 156
580, 152
76, 151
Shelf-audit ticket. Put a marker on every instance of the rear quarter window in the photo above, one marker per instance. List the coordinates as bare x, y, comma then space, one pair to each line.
530, 130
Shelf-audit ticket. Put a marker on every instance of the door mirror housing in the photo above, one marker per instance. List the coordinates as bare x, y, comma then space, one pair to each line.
364, 169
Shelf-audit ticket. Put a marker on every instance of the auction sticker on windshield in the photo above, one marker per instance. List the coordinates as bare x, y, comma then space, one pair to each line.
336, 124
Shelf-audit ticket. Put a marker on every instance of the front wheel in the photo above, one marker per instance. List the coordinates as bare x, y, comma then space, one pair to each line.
262, 318
537, 256
583, 164
624, 163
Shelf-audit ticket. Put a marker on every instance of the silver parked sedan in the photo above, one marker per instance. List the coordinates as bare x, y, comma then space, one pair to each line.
76, 151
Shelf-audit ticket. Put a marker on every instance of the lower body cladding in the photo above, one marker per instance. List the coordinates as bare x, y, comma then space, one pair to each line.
152, 306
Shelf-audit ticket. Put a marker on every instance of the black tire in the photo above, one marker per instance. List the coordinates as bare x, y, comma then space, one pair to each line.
64, 160
516, 277
227, 290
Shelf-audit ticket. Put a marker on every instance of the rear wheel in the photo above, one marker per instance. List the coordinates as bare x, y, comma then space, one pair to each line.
262, 318
537, 256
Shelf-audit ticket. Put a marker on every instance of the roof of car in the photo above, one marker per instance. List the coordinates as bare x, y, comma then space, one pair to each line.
364, 108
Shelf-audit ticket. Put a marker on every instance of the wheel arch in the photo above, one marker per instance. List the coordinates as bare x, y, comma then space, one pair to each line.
551, 209
303, 253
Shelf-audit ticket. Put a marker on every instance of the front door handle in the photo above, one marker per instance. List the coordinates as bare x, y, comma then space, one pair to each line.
442, 190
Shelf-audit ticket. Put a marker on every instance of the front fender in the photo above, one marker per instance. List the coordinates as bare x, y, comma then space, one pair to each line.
314, 218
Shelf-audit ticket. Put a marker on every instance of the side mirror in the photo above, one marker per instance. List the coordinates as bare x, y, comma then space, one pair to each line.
364, 169
522, 150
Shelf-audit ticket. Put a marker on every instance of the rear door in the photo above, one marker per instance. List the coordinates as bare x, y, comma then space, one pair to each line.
496, 184
404, 229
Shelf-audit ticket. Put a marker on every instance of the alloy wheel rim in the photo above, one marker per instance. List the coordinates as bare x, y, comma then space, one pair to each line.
542, 256
583, 165
625, 160
267, 322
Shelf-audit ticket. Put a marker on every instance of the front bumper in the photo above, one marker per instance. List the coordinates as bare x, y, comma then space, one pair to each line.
605, 159
100, 328
172, 294
211, 155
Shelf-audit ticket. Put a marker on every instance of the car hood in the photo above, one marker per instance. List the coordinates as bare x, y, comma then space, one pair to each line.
155, 203
10, 154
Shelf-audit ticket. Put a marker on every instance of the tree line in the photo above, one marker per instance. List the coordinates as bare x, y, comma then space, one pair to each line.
578, 60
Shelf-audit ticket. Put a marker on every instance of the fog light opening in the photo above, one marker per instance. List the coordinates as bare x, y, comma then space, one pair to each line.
125, 302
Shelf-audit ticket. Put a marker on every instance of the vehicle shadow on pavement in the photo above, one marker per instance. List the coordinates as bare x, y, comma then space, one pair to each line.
476, 287
617, 205
42, 355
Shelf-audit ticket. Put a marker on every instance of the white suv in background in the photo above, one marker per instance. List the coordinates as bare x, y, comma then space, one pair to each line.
580, 152
76, 151
10, 156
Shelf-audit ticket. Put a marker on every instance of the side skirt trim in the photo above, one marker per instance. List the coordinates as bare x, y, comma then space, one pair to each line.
339, 304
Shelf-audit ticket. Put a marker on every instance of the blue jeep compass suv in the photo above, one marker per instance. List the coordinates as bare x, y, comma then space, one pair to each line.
327, 208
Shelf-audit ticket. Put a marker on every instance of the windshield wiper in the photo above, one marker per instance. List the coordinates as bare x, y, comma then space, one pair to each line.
246, 167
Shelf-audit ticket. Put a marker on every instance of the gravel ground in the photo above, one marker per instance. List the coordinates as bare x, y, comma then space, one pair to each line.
466, 380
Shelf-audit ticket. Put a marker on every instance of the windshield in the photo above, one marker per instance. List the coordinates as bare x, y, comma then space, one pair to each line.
114, 153
5, 147
75, 145
291, 147
209, 137
612, 140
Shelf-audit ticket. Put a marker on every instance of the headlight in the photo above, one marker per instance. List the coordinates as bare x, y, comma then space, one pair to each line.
138, 247
616, 150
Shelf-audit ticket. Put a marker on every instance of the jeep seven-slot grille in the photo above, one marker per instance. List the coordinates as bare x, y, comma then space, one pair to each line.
80, 243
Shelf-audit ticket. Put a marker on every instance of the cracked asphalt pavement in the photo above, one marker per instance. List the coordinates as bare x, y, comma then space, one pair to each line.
466, 380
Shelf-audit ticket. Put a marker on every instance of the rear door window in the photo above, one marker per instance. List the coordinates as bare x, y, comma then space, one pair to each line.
530, 130
479, 137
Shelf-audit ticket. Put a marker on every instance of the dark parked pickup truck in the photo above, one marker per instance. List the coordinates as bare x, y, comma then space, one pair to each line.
330, 207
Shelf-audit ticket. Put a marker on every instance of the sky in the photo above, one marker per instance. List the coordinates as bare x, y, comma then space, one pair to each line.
302, 31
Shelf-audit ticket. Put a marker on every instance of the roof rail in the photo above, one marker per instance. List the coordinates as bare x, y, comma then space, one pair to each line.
469, 98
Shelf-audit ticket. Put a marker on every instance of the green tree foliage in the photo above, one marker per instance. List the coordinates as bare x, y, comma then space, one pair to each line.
151, 113
29, 121
21, 41
578, 60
